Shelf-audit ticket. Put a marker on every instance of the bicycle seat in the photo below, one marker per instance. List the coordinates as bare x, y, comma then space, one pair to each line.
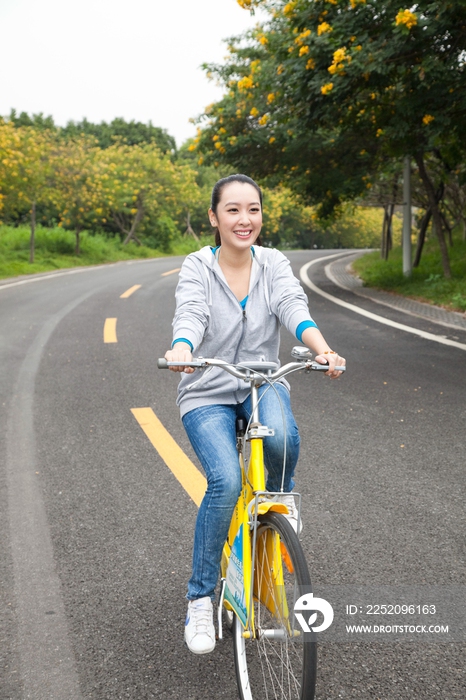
259, 366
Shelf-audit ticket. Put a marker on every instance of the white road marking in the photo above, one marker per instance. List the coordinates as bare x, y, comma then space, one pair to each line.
305, 279
47, 663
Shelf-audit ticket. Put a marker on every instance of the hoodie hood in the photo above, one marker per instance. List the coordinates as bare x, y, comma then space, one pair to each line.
210, 265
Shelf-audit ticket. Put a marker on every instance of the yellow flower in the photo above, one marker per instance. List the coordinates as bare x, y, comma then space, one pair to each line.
325, 89
270, 97
303, 50
263, 40
263, 120
218, 145
310, 64
427, 118
245, 83
272, 139
407, 18
280, 69
379, 132
254, 112
339, 55
323, 28
301, 38
289, 7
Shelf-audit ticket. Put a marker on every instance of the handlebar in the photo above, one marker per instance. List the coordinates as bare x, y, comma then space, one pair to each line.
254, 369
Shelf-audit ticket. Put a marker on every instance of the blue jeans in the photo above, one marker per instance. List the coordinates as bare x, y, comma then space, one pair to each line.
212, 432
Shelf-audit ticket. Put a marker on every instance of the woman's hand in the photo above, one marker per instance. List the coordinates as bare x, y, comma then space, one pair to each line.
316, 342
181, 352
333, 359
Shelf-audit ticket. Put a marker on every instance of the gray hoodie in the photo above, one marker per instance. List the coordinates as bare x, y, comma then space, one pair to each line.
209, 316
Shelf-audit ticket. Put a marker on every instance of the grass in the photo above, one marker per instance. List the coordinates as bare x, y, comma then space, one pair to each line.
54, 250
427, 282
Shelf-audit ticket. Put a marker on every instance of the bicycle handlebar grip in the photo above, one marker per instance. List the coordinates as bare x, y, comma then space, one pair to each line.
162, 363
324, 368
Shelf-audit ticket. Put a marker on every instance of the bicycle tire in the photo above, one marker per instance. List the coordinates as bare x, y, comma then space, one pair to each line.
286, 667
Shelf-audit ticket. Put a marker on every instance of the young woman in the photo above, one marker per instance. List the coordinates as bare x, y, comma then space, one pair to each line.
231, 301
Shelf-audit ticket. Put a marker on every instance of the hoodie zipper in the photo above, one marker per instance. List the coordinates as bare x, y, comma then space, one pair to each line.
243, 330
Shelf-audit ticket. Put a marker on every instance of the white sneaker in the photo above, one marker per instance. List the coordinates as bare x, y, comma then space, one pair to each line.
292, 516
199, 631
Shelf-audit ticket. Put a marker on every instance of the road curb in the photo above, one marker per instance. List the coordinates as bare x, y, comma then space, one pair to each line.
340, 273
305, 279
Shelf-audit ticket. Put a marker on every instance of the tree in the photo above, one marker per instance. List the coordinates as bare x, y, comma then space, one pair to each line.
131, 133
323, 93
38, 121
143, 188
24, 172
132, 190
455, 197
76, 189
106, 134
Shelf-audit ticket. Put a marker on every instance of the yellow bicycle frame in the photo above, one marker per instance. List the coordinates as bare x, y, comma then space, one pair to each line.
247, 508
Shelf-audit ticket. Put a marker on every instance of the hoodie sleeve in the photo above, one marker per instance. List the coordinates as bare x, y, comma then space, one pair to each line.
192, 311
288, 300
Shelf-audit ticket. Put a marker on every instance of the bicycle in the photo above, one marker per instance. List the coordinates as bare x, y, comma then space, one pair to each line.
263, 569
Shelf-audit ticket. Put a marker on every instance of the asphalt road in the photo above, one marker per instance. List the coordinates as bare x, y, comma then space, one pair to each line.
96, 532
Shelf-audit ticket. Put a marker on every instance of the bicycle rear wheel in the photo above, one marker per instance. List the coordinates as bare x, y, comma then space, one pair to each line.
278, 663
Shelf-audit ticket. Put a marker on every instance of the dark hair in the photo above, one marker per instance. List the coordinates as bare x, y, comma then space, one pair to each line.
217, 195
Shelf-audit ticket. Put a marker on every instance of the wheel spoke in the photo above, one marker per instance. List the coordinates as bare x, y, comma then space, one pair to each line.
277, 666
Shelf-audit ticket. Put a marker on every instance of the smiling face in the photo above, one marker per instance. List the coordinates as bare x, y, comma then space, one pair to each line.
238, 215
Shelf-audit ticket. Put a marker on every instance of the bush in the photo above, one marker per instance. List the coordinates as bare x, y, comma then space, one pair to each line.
427, 282
54, 249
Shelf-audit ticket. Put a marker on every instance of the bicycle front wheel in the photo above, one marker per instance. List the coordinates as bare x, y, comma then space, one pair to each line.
277, 662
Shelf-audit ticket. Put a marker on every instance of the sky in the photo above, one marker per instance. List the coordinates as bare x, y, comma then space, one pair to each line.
101, 59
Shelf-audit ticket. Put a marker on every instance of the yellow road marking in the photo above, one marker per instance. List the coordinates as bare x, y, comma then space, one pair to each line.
110, 330
130, 291
171, 272
183, 469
